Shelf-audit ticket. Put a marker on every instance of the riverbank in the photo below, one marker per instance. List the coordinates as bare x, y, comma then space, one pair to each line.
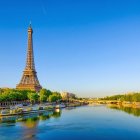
20, 109
119, 103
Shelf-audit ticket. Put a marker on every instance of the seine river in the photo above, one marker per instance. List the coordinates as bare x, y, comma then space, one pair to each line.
81, 123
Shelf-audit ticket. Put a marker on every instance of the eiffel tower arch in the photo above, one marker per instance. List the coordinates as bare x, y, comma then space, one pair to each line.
29, 80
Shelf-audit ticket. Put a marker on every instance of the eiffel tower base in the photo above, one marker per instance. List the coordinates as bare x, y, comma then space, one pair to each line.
29, 87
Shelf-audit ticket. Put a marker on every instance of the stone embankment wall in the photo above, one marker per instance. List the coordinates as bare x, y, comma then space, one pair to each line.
7, 104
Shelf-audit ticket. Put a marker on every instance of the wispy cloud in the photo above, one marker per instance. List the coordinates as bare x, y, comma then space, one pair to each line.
43, 8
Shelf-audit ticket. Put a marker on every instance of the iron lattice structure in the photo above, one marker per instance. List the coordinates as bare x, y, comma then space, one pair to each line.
29, 80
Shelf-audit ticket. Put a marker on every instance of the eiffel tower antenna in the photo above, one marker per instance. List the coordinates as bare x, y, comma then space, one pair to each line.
29, 80
30, 24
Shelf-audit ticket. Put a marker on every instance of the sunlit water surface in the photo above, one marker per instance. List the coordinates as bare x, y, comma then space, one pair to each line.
88, 122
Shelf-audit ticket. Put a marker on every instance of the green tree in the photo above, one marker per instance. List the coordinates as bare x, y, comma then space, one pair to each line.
44, 94
54, 97
57, 94
136, 97
33, 97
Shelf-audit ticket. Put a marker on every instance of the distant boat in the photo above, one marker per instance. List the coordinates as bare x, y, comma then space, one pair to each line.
57, 110
60, 106
21, 110
9, 112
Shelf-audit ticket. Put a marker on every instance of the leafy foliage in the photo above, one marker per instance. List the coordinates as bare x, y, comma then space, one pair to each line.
33, 97
21, 95
131, 97
13, 95
54, 97
44, 94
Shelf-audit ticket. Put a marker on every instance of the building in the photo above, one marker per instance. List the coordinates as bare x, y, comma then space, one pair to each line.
29, 80
67, 95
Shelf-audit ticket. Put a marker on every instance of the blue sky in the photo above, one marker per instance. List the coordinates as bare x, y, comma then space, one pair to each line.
88, 47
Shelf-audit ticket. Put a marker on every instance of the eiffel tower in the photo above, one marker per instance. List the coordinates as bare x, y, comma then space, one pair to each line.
29, 80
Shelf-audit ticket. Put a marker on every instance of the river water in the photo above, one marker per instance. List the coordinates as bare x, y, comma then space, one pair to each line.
81, 123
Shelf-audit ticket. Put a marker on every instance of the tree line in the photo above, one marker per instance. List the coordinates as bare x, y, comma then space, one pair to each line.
32, 96
131, 97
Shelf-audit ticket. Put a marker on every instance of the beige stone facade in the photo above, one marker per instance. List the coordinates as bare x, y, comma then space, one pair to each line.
67, 95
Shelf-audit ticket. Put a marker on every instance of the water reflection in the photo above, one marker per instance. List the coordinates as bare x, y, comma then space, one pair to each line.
31, 120
129, 110
93, 123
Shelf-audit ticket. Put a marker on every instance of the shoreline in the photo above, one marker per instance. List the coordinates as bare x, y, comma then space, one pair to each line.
119, 103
